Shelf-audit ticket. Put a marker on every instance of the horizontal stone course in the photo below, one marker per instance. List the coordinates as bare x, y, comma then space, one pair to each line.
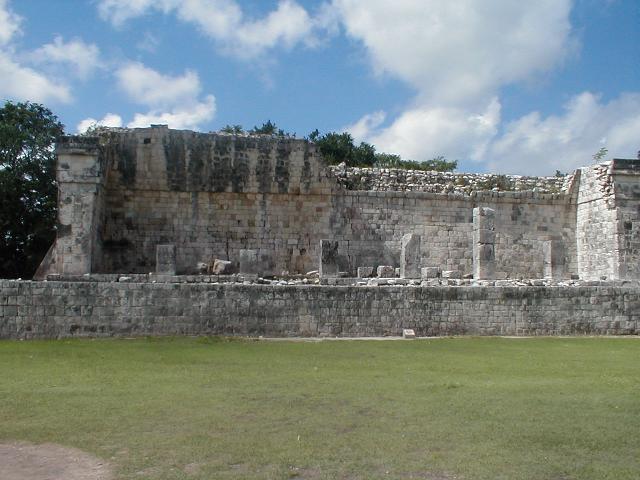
66, 309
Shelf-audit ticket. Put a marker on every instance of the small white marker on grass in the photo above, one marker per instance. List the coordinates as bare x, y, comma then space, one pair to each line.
408, 333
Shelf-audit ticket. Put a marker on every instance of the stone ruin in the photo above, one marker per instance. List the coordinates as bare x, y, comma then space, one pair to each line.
177, 202
155, 207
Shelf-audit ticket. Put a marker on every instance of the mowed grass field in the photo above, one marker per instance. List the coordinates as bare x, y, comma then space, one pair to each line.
209, 408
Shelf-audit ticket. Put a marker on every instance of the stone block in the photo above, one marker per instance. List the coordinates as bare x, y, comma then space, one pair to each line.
484, 218
410, 256
329, 265
222, 267
486, 252
484, 236
386, 271
553, 259
408, 333
249, 262
430, 272
166, 259
451, 274
365, 272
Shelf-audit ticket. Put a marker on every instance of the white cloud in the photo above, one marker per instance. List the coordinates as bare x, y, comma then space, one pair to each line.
9, 23
119, 11
173, 100
22, 83
537, 145
83, 57
188, 118
148, 87
17, 81
225, 23
423, 132
109, 120
363, 128
458, 51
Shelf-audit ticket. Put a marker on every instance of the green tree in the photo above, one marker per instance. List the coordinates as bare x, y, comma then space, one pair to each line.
28, 191
334, 147
235, 129
600, 154
268, 128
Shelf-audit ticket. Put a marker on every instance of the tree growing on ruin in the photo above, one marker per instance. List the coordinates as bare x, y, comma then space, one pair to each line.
28, 190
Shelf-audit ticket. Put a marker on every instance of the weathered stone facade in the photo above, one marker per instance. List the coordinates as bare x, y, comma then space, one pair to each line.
212, 196
178, 202
63, 309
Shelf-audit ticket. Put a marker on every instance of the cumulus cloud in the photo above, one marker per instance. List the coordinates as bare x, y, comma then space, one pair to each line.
458, 51
457, 56
149, 87
423, 132
9, 23
225, 23
537, 145
189, 118
109, 120
23, 83
173, 100
83, 57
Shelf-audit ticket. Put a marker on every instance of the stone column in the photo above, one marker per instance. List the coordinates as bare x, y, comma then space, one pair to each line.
410, 256
81, 175
484, 238
328, 258
554, 259
166, 259
248, 260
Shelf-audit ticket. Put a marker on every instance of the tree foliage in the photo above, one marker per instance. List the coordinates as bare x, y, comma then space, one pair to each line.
340, 147
28, 191
337, 148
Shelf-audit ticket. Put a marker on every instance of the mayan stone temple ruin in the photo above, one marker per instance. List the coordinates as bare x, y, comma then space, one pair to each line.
175, 232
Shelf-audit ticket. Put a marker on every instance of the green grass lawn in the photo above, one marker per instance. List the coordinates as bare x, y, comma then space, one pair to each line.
470, 408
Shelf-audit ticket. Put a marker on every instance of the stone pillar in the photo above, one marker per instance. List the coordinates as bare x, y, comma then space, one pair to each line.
484, 238
554, 259
410, 256
249, 261
166, 259
328, 258
81, 175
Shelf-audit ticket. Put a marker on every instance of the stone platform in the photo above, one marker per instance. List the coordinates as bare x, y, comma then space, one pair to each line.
61, 309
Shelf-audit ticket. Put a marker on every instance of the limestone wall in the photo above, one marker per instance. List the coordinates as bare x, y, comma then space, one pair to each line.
127, 191
67, 309
608, 221
385, 179
213, 195
372, 224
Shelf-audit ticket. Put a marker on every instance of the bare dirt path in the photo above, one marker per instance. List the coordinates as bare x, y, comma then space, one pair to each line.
25, 461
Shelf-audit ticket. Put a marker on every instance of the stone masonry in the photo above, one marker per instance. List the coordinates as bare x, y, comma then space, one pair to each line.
135, 201
64, 309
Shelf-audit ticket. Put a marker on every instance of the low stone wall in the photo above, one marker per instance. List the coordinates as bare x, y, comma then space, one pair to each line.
399, 180
68, 309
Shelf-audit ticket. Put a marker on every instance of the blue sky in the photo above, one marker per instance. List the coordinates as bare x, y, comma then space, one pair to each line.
500, 85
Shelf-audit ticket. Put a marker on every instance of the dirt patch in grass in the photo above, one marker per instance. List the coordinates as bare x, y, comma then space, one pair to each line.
25, 461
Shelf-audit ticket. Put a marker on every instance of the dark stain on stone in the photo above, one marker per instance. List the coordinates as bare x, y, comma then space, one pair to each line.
175, 154
307, 173
283, 154
221, 171
121, 151
63, 230
199, 168
240, 175
263, 166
